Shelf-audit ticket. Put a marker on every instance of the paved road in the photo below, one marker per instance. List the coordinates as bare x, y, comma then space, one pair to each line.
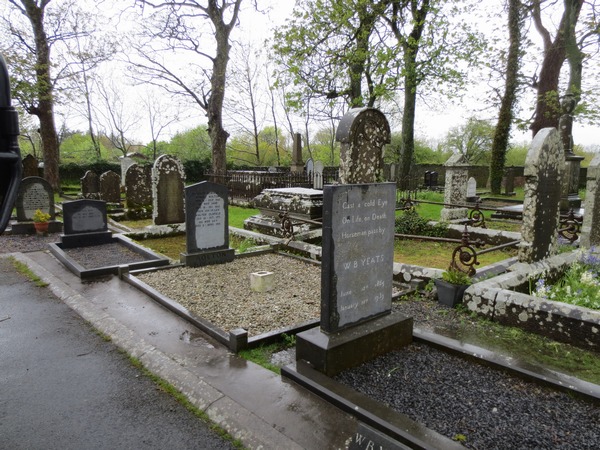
63, 387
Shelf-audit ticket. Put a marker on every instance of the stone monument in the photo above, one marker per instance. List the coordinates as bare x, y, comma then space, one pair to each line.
297, 166
362, 133
590, 229
544, 168
138, 190
90, 185
455, 191
34, 193
357, 323
570, 186
167, 190
85, 223
206, 225
110, 187
30, 166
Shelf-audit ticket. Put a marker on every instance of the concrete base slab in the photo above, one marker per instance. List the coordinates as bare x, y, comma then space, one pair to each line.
332, 353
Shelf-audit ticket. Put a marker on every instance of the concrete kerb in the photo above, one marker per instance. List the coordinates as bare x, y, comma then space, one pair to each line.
239, 422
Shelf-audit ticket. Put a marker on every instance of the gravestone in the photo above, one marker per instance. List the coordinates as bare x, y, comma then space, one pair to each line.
206, 225
362, 133
90, 185
34, 193
110, 187
85, 223
318, 175
472, 190
297, 166
509, 181
128, 160
167, 190
570, 186
30, 167
590, 229
356, 280
544, 167
138, 191
455, 191
309, 168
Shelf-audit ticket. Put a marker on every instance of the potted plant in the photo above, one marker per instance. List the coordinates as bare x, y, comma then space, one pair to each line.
40, 221
452, 286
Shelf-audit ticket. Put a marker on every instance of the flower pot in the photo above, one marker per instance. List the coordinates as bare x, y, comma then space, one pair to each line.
41, 227
450, 294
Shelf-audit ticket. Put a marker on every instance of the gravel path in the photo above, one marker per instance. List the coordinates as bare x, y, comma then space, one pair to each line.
222, 294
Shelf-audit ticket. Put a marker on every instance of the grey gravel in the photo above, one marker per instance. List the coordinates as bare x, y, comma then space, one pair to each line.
24, 243
221, 293
104, 255
482, 407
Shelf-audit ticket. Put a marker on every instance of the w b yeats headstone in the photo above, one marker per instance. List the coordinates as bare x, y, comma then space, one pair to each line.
207, 225
357, 323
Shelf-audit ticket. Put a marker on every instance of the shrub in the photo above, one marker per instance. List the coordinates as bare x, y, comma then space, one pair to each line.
409, 222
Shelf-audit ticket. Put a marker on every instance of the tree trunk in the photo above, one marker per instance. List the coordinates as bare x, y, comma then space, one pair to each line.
505, 116
548, 111
45, 107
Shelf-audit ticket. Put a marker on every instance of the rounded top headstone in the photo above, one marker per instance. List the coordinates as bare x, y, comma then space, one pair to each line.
371, 121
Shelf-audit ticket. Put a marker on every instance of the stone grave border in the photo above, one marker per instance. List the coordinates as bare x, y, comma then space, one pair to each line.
235, 340
151, 259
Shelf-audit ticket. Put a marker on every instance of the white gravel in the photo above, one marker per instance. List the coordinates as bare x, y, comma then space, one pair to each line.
221, 293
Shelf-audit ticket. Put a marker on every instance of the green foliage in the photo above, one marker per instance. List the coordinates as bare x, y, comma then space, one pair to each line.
72, 172
473, 140
456, 277
516, 155
79, 148
192, 144
195, 169
409, 222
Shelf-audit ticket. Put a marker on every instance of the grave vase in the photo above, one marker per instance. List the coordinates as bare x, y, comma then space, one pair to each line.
450, 294
41, 227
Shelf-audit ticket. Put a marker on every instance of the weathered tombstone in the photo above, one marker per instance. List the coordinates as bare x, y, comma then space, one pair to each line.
455, 191
138, 191
128, 160
356, 281
34, 193
318, 175
590, 229
30, 167
297, 166
362, 133
309, 169
206, 224
167, 190
544, 167
110, 187
90, 185
85, 223
509, 181
472, 190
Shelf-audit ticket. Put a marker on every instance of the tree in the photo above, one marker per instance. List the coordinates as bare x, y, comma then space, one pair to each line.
160, 117
473, 140
35, 91
516, 15
173, 27
547, 110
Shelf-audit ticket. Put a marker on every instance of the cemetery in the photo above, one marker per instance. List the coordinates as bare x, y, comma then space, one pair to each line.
324, 276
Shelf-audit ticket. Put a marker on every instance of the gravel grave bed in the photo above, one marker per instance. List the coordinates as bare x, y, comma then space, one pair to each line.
481, 407
23, 243
105, 255
221, 293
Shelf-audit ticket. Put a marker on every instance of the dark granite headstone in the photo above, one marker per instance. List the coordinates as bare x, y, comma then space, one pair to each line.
362, 133
90, 185
358, 253
138, 191
110, 187
30, 167
167, 190
544, 170
357, 323
34, 193
206, 224
85, 216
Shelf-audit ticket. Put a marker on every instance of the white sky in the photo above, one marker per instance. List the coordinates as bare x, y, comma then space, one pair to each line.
430, 124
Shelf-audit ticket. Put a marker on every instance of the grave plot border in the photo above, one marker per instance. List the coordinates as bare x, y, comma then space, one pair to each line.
151, 259
235, 340
498, 300
407, 431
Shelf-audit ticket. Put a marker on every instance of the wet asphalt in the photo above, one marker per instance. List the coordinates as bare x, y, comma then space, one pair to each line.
62, 386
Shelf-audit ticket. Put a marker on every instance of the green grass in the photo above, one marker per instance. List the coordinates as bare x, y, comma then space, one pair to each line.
23, 269
237, 215
262, 355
